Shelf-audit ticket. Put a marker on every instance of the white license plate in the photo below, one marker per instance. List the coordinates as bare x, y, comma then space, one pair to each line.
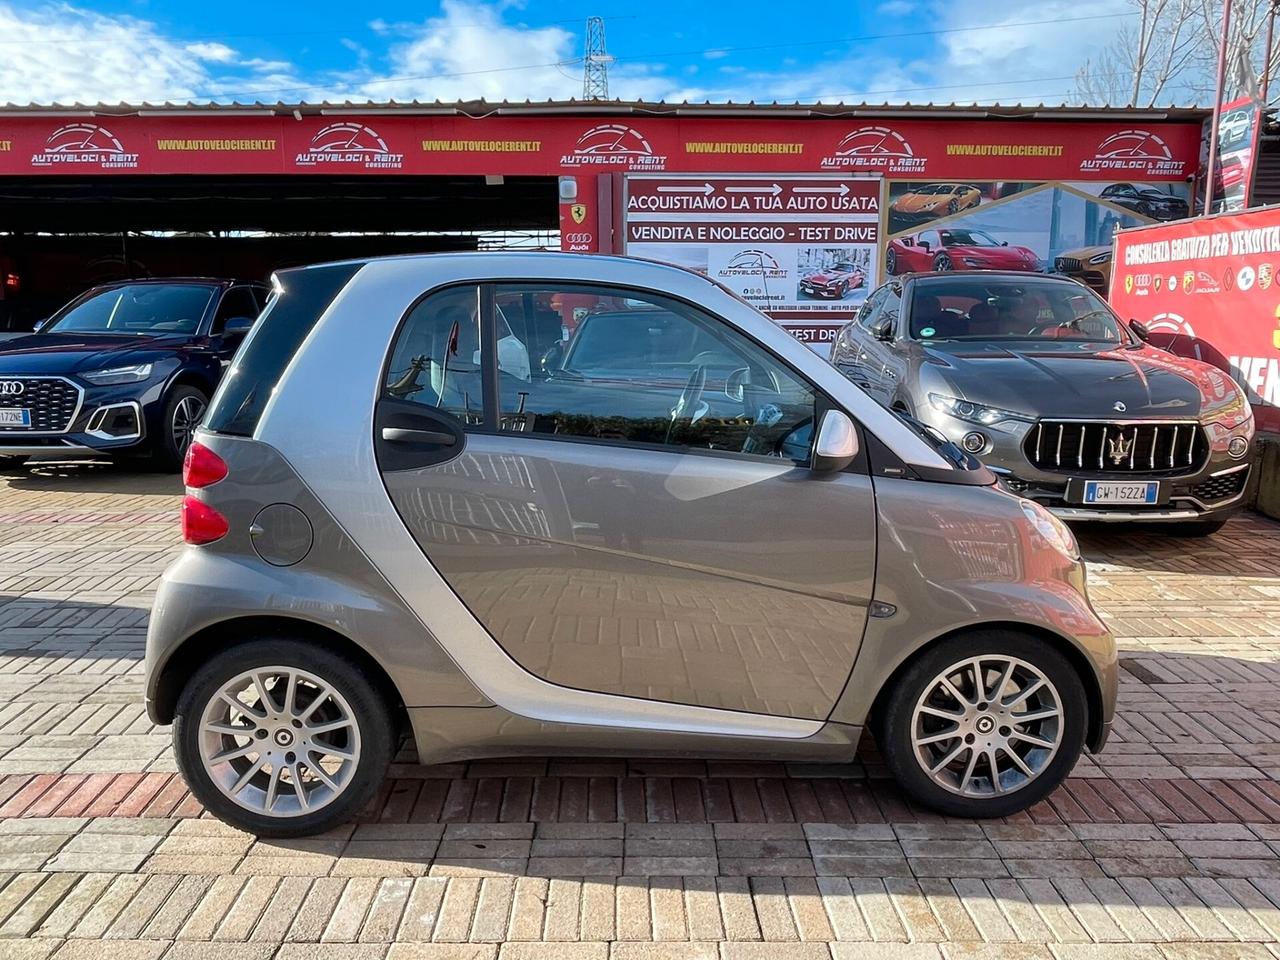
15, 418
1111, 491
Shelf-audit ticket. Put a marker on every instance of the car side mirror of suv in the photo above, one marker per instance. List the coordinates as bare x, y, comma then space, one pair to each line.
1140, 330
882, 329
837, 443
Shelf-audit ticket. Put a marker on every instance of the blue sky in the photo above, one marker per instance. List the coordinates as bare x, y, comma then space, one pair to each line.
896, 50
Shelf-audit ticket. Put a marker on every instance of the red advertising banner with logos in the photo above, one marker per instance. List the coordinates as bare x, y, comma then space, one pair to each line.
1210, 288
382, 143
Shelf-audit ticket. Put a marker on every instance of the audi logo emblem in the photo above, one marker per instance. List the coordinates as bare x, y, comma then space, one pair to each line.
12, 388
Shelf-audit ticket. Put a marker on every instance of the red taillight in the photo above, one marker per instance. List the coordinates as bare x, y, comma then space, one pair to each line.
202, 467
201, 523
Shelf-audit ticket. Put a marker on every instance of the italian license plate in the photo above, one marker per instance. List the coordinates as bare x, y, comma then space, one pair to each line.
11, 417
1113, 491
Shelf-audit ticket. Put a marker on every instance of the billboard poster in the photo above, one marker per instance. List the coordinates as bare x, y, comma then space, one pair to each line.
802, 249
1238, 125
1209, 288
388, 142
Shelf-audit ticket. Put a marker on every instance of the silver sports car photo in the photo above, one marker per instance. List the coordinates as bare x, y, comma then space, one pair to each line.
1070, 405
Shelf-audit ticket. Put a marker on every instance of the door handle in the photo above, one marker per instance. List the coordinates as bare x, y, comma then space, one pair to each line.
406, 435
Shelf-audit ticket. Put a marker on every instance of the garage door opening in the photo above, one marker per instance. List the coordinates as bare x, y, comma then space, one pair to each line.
64, 235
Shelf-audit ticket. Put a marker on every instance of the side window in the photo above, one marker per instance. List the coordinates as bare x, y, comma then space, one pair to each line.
237, 302
436, 357
891, 306
642, 368
870, 311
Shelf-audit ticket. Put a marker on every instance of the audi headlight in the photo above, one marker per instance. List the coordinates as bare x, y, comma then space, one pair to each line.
1052, 529
1101, 257
113, 375
973, 412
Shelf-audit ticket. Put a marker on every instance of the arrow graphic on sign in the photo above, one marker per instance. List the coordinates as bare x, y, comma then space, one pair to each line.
843, 189
775, 189
706, 189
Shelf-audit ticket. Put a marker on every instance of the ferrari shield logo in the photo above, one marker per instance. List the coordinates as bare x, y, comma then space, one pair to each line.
1188, 281
1128, 283
1158, 281
579, 212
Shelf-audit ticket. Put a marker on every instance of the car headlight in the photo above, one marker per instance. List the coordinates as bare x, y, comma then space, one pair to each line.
1100, 257
1052, 529
112, 375
973, 412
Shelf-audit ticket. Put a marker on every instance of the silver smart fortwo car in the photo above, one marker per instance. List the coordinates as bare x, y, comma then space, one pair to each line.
415, 506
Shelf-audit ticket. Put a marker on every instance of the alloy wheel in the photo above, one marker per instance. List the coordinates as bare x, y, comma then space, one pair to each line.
279, 741
943, 263
891, 262
987, 726
186, 417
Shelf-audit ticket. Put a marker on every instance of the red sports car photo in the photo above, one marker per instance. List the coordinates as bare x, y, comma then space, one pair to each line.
834, 282
956, 249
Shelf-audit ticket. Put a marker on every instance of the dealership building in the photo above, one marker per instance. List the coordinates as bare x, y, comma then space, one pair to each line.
801, 209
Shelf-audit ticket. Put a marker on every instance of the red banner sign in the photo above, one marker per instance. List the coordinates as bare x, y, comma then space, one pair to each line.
1210, 289
379, 143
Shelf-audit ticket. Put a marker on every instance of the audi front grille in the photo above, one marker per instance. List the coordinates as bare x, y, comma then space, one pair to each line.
53, 402
1117, 447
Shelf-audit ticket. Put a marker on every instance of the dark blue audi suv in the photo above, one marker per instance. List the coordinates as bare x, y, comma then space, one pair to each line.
126, 368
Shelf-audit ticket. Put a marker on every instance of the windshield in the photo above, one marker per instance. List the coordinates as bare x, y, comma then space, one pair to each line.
844, 266
966, 238
976, 309
934, 188
142, 308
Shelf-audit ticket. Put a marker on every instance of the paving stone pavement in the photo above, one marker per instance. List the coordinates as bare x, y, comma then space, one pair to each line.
1167, 846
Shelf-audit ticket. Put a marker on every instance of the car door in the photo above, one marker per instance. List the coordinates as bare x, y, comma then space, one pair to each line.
886, 355
617, 525
849, 354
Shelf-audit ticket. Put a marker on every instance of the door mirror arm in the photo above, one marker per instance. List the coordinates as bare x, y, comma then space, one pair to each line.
837, 443
1140, 330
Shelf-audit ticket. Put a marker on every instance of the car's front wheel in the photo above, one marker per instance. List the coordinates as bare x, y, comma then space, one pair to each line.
943, 263
984, 724
891, 263
282, 737
183, 411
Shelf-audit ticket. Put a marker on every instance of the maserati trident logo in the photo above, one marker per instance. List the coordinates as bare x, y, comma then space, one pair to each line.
12, 388
1119, 447
1119, 406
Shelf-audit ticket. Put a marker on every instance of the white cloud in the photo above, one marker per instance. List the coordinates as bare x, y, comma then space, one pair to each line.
478, 49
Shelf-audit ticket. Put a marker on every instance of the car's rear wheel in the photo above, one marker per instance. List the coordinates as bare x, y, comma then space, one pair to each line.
12, 463
953, 206
183, 412
282, 738
984, 724
891, 262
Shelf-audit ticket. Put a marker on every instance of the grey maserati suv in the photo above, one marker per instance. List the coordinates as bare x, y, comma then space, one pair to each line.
679, 532
1068, 404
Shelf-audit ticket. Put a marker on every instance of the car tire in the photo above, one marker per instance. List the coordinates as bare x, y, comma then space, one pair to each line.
891, 263
1195, 528
942, 263
12, 463
953, 206
369, 735
171, 447
954, 787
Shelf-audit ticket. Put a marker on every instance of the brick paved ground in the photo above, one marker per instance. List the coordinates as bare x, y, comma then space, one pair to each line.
1168, 845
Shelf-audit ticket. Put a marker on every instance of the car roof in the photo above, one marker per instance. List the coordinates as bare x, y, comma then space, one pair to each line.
203, 281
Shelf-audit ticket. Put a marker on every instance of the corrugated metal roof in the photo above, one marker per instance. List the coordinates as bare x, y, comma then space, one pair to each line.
486, 108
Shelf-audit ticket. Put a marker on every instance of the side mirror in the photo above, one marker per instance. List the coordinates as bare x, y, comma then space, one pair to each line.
923, 245
39, 324
882, 329
837, 443
1140, 330
735, 384
553, 357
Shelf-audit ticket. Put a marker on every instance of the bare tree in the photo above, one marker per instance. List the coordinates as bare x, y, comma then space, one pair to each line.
1170, 52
